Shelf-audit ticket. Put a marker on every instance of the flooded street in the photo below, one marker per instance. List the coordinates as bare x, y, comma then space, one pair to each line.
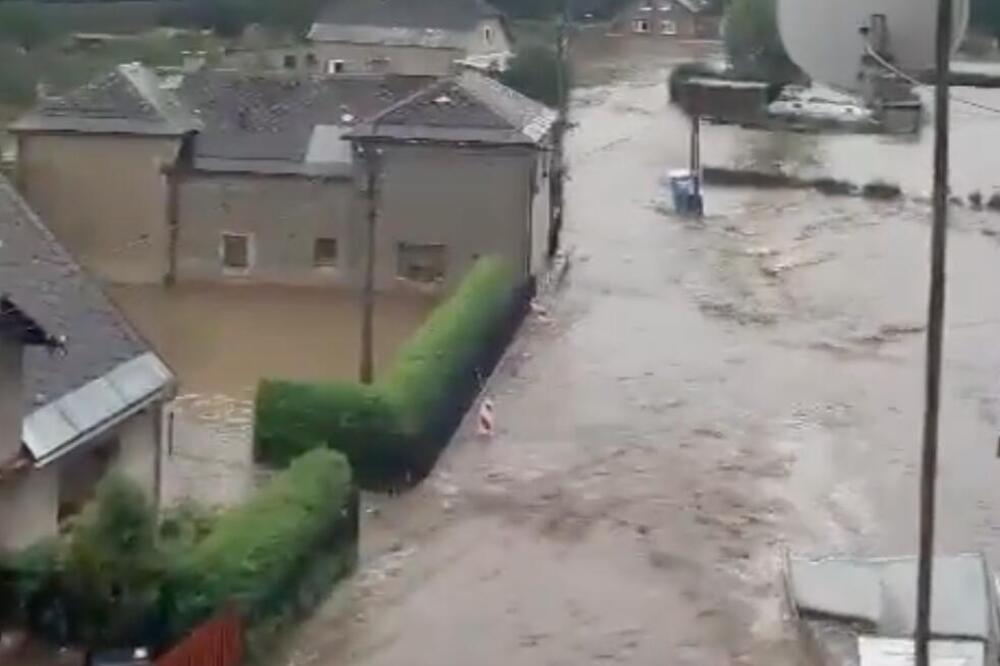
697, 400
207, 333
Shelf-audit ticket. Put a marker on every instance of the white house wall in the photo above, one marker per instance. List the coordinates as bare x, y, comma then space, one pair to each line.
138, 457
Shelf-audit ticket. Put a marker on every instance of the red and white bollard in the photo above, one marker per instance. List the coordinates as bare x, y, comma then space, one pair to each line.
486, 418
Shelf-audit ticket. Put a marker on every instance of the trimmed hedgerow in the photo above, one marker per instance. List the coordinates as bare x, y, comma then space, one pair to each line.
259, 555
294, 416
395, 428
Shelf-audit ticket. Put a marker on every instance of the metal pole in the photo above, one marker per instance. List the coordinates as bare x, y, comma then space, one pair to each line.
935, 334
366, 370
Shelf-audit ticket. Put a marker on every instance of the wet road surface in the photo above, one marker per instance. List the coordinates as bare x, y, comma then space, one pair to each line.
697, 400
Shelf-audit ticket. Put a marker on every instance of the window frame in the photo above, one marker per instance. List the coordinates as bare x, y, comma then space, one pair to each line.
641, 26
333, 263
406, 275
672, 31
250, 252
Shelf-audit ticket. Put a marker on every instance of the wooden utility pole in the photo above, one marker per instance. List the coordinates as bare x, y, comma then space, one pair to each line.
935, 333
366, 370
695, 155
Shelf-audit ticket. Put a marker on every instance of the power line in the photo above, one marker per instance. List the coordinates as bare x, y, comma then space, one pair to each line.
917, 82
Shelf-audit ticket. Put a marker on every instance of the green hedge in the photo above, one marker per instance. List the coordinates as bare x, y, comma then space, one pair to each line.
259, 555
396, 427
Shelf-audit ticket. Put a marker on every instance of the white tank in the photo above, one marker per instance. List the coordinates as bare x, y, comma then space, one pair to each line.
822, 36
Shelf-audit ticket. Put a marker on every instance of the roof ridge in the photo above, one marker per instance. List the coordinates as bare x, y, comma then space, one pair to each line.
377, 118
469, 75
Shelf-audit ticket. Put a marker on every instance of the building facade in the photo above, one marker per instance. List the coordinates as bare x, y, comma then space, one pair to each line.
80, 393
669, 19
404, 37
270, 186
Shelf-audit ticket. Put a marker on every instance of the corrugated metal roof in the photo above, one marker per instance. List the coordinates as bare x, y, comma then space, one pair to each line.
881, 592
875, 651
55, 429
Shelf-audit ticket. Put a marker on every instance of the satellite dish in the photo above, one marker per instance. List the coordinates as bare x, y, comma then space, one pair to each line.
824, 37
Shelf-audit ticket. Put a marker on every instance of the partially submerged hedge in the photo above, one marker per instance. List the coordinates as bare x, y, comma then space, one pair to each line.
396, 427
260, 555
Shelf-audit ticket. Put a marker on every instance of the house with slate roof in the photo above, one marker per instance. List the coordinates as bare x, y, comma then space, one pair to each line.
226, 176
670, 19
409, 36
80, 392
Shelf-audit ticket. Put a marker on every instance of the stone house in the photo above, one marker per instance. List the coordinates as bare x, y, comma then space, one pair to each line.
669, 19
80, 392
260, 178
407, 37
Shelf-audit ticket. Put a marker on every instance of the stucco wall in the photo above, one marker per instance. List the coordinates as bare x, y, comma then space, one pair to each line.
488, 38
11, 398
104, 197
401, 59
139, 450
474, 201
284, 214
541, 215
655, 11
28, 508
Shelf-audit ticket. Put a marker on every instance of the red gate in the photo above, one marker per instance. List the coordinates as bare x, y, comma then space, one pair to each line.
218, 642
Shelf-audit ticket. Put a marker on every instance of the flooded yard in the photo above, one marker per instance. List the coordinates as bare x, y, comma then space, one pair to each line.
698, 399
221, 340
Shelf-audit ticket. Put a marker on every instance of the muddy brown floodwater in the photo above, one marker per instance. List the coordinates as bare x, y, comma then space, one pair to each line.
221, 340
697, 399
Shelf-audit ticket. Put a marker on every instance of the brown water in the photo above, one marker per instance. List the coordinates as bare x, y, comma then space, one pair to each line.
699, 398
223, 339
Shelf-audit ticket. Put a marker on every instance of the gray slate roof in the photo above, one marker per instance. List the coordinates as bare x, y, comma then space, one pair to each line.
128, 99
278, 123
45, 282
467, 108
439, 24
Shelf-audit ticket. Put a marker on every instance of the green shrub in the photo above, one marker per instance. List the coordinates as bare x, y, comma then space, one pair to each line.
293, 416
443, 357
259, 554
395, 428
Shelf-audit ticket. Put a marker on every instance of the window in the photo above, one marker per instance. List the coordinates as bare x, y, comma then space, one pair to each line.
325, 253
379, 64
488, 34
236, 252
290, 62
646, 8
334, 66
666, 7
311, 60
668, 28
640, 25
421, 263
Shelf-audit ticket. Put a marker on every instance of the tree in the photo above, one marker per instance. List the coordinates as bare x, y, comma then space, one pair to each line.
986, 16
22, 24
113, 568
753, 42
535, 72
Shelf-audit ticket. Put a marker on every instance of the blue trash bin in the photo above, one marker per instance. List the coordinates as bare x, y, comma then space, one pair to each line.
684, 191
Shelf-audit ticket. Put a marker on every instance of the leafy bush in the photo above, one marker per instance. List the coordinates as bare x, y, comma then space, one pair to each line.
259, 554
294, 416
396, 428
113, 569
24, 576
